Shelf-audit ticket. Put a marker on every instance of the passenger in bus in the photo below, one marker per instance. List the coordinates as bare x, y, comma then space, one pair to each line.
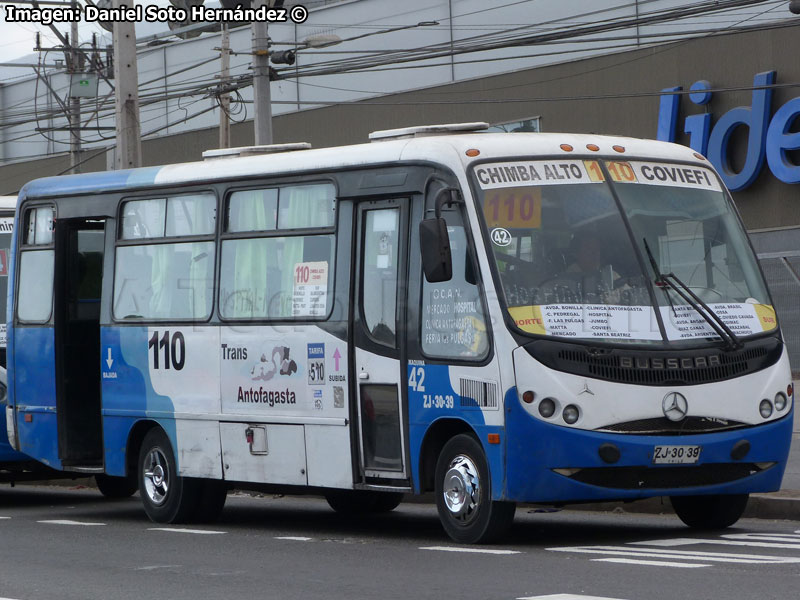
588, 277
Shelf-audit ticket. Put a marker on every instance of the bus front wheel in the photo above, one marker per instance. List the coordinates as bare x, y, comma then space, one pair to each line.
709, 512
167, 498
463, 494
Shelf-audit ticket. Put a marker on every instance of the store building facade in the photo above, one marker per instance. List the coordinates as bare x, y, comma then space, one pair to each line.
733, 96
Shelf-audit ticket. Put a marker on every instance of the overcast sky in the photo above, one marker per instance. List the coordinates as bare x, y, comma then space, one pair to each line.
18, 39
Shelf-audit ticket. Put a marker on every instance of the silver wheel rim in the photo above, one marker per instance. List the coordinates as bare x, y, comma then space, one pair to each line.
462, 489
156, 476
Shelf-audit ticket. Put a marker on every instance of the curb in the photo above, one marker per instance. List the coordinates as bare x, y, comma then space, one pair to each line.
777, 505
782, 505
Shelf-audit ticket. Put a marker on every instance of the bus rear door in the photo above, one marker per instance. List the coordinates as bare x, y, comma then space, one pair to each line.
78, 284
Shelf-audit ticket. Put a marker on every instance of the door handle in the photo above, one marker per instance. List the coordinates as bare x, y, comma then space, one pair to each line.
363, 375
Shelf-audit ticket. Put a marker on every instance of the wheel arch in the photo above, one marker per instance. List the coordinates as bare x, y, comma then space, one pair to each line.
437, 435
135, 439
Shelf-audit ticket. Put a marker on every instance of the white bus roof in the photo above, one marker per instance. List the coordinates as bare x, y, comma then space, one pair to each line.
8, 203
448, 150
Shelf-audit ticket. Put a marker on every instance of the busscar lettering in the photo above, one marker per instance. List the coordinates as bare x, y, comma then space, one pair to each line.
644, 362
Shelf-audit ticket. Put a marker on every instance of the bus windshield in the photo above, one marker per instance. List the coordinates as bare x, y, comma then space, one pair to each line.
574, 263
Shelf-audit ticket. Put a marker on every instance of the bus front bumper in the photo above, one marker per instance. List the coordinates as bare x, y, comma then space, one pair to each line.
553, 464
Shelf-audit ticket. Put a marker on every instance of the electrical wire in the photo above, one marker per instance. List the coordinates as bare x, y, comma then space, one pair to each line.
552, 32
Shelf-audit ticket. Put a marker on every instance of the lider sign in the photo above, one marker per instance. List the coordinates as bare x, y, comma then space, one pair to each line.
768, 138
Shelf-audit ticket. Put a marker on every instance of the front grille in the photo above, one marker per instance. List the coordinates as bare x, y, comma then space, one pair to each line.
641, 478
705, 365
663, 426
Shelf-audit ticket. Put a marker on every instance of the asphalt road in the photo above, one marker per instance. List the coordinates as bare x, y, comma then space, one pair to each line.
61, 543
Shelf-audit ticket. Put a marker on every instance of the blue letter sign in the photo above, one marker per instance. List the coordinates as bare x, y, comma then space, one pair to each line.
767, 139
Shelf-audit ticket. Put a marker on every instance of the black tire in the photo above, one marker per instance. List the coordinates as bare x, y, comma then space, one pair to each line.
211, 501
463, 494
116, 487
362, 502
709, 512
167, 498
387, 501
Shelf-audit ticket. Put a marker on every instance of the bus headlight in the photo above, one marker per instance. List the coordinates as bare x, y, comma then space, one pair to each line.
570, 414
780, 401
547, 408
765, 408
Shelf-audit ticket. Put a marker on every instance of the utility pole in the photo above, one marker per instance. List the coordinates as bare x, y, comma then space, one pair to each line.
126, 95
75, 102
262, 101
225, 97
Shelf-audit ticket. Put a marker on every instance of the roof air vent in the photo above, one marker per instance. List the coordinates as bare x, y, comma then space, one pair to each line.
425, 130
254, 150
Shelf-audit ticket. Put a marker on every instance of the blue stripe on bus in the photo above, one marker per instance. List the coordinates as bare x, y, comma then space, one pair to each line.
537, 447
35, 373
430, 405
127, 389
101, 181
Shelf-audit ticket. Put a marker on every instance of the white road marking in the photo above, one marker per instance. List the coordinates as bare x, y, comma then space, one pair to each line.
674, 542
651, 563
69, 522
469, 550
679, 554
181, 530
154, 567
566, 597
294, 538
4, 518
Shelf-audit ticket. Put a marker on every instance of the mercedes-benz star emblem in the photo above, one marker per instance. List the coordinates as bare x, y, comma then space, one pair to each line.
675, 406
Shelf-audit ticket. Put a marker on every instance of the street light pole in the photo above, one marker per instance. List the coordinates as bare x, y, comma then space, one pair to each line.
262, 101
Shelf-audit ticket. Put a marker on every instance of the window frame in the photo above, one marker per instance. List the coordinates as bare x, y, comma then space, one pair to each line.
24, 247
462, 207
225, 235
120, 242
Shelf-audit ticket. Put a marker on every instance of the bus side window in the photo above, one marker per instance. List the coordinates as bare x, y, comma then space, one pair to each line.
37, 267
268, 276
165, 280
453, 321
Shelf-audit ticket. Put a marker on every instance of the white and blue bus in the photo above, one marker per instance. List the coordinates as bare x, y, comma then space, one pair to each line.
7, 206
14, 466
494, 318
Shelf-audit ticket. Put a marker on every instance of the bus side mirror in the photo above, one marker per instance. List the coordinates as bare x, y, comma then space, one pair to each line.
435, 248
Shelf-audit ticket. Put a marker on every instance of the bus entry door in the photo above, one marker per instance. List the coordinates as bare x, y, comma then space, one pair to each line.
379, 338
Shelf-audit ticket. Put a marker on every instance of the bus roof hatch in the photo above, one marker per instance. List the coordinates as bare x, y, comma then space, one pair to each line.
254, 150
425, 130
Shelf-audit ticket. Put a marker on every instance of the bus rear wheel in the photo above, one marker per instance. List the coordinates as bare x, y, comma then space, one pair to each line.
360, 502
167, 498
116, 487
463, 494
709, 512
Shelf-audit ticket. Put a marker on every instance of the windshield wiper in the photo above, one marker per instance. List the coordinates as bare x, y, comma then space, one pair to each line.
671, 281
